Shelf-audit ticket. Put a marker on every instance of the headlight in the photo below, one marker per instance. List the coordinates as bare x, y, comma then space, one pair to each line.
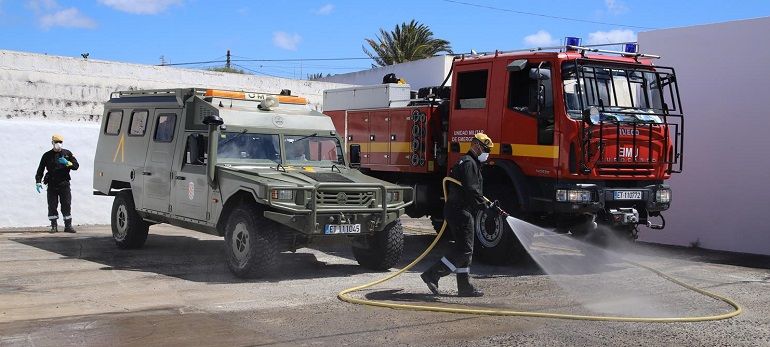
394, 196
573, 195
663, 196
282, 194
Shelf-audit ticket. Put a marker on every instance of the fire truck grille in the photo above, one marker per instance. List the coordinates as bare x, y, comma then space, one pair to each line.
348, 199
626, 170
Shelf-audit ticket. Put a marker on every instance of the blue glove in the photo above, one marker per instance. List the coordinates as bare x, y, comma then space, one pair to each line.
38, 186
64, 162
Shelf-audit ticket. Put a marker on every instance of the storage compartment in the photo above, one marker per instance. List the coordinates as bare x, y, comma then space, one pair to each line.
364, 97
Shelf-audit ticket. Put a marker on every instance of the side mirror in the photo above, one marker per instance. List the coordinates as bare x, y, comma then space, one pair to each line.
213, 119
355, 155
540, 74
588, 113
516, 65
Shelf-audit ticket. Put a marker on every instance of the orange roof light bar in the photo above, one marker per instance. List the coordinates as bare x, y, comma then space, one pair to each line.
230, 94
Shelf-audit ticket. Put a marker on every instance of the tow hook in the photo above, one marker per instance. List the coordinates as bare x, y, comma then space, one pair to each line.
624, 216
657, 226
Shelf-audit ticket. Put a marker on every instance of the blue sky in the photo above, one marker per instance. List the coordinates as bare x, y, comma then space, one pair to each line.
141, 31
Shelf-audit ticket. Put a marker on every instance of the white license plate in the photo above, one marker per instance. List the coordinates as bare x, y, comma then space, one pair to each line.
628, 195
342, 229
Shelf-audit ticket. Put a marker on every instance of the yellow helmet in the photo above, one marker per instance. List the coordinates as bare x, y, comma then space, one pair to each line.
484, 140
57, 138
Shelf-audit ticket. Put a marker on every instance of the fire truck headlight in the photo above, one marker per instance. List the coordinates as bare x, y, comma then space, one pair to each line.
573, 195
663, 196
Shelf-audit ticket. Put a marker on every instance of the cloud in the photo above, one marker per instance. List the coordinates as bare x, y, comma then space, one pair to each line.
286, 41
540, 39
42, 5
325, 10
612, 36
67, 18
616, 6
141, 6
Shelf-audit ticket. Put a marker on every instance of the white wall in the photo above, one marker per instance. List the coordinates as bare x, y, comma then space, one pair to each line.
75, 89
722, 200
419, 73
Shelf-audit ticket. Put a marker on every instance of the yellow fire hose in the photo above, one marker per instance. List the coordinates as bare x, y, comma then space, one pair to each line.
345, 296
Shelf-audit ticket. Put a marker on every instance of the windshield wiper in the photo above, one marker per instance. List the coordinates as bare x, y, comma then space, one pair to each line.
233, 138
304, 137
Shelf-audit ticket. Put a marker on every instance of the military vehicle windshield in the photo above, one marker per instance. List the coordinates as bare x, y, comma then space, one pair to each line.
249, 148
313, 150
622, 94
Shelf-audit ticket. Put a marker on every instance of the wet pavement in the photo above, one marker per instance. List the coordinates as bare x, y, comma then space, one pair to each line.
79, 289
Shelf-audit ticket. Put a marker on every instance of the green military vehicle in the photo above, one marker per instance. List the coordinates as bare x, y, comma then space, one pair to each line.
275, 179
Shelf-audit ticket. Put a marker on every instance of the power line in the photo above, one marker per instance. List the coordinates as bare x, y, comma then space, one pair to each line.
257, 72
545, 15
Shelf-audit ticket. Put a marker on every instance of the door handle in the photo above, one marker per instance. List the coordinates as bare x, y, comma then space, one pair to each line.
146, 173
180, 178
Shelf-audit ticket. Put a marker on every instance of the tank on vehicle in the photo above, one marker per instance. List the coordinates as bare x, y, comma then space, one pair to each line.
275, 179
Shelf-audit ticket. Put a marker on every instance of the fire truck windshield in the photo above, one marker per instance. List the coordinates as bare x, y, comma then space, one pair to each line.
622, 93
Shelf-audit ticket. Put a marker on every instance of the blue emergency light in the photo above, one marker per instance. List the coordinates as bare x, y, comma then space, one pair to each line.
631, 48
572, 41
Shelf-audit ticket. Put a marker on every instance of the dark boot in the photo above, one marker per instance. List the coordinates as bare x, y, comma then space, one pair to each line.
54, 227
68, 226
465, 288
433, 274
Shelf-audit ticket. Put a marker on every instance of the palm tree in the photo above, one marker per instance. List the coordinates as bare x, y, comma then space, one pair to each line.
407, 42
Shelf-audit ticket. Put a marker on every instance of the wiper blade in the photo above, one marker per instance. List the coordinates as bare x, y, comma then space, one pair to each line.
233, 138
305, 137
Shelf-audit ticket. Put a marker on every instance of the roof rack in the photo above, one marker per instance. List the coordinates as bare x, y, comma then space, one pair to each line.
583, 49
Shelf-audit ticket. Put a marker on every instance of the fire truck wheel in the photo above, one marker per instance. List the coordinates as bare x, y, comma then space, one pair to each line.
384, 248
250, 243
495, 242
128, 228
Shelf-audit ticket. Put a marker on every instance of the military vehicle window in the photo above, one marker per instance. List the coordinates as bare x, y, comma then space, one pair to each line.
313, 150
471, 89
164, 128
138, 123
114, 119
243, 147
195, 151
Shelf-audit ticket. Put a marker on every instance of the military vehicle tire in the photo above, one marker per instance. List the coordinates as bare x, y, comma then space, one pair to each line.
250, 243
128, 228
385, 248
495, 242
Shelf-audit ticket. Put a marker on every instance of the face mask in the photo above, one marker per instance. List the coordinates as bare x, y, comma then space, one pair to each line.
57, 146
483, 157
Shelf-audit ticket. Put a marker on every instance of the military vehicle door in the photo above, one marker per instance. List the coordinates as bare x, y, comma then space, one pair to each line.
191, 190
160, 157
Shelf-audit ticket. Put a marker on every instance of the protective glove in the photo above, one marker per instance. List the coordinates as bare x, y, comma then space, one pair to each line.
38, 186
64, 162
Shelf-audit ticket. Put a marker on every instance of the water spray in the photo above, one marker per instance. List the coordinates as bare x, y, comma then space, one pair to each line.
345, 294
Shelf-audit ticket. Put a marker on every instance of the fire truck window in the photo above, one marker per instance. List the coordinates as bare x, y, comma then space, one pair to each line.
518, 90
471, 90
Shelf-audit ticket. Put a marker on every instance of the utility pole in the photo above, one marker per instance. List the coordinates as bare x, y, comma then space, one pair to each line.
227, 64
162, 60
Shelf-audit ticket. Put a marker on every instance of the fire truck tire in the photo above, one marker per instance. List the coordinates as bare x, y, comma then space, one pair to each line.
495, 242
384, 248
128, 228
251, 248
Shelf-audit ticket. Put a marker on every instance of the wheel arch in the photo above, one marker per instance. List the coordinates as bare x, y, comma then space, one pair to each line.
239, 197
504, 171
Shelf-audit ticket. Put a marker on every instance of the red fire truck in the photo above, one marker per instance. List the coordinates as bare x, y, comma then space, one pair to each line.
582, 136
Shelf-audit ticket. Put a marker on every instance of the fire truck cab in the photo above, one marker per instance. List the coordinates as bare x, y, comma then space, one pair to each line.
583, 136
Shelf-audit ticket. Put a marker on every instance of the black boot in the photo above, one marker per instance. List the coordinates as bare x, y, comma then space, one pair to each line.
54, 227
465, 288
68, 226
433, 274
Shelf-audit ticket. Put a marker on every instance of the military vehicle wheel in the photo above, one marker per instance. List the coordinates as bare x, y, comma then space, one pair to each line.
495, 241
128, 228
250, 243
385, 248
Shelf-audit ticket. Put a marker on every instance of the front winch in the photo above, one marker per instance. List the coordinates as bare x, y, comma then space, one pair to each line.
624, 216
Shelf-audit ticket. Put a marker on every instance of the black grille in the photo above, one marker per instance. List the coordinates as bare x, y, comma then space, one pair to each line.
362, 199
327, 177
